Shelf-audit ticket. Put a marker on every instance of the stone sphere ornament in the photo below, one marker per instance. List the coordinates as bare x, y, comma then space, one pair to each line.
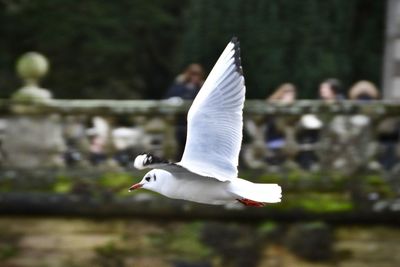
32, 66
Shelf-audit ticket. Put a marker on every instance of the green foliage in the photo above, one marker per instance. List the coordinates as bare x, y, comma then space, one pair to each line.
8, 244
107, 250
377, 184
268, 228
183, 241
5, 185
268, 178
7, 251
118, 182
317, 202
133, 48
109, 255
302, 42
107, 182
96, 49
374, 180
187, 242
62, 185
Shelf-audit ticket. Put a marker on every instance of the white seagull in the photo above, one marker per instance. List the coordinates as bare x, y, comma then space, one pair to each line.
207, 172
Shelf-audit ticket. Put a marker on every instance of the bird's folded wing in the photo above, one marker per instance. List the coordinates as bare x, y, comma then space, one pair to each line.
215, 120
144, 161
148, 161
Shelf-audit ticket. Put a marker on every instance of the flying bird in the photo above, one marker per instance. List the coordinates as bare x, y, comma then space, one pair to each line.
207, 172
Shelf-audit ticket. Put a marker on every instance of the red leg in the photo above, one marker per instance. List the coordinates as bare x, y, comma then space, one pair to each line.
251, 203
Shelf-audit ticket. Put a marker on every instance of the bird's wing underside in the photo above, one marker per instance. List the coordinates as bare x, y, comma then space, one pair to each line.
215, 119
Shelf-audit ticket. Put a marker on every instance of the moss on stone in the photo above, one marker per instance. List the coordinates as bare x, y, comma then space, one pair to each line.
318, 202
183, 241
62, 186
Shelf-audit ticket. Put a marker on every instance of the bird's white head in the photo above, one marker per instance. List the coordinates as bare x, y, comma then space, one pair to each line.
153, 180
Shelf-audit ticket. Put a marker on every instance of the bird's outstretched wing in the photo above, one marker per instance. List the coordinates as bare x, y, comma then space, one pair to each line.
215, 119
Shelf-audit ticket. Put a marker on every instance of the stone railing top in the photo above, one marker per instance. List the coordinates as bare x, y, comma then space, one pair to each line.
109, 107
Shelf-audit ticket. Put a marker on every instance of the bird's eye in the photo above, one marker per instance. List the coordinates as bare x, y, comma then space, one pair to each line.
154, 177
147, 178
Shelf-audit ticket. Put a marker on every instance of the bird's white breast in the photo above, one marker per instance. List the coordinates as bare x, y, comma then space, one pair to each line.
198, 189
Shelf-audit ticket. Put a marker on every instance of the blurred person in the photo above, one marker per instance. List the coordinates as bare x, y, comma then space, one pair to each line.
308, 135
97, 153
354, 129
274, 134
186, 86
330, 90
3, 153
98, 136
74, 134
72, 155
188, 83
388, 129
388, 135
363, 90
127, 141
285, 93
308, 129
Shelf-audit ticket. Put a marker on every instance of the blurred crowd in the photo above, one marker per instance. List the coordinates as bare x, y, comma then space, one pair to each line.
310, 126
306, 131
341, 129
127, 140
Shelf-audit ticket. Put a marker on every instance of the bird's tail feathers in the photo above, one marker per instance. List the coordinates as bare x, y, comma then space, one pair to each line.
266, 193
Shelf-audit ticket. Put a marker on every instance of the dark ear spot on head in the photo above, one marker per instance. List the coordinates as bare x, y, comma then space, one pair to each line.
154, 177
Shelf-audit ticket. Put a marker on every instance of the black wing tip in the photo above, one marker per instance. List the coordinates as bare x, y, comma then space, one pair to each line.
238, 60
235, 39
151, 159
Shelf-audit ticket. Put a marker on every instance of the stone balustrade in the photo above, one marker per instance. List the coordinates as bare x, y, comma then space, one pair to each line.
334, 161
308, 135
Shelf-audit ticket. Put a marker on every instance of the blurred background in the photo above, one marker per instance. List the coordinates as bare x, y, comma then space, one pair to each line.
85, 86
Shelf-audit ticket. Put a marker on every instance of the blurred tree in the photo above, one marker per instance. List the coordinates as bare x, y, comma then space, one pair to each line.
97, 49
133, 48
302, 42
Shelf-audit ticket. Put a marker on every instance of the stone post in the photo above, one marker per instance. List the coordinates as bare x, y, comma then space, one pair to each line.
391, 64
32, 67
32, 141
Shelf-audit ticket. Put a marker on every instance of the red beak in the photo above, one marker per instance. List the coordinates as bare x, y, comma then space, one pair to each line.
135, 186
